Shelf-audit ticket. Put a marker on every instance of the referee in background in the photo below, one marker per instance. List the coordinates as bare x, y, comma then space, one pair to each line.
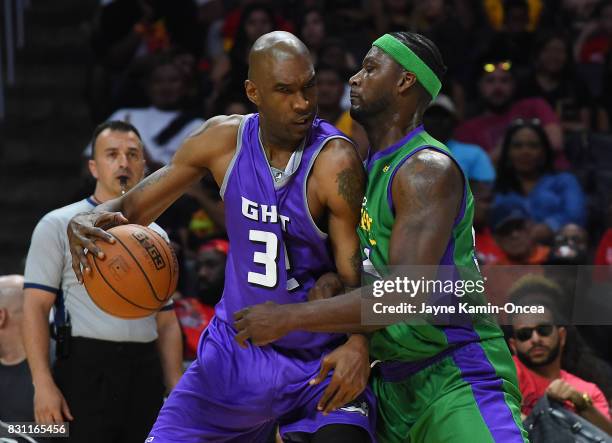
109, 373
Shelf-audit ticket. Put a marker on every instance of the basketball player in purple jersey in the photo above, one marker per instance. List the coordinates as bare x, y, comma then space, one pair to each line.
292, 186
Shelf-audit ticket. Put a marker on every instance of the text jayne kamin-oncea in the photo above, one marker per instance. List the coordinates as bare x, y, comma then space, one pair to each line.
461, 308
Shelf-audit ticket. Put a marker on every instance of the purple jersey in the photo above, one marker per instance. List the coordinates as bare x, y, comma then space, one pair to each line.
236, 395
277, 252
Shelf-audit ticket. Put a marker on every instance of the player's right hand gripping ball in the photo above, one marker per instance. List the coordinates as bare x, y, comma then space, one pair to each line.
137, 276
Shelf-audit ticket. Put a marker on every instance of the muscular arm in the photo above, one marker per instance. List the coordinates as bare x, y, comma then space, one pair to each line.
339, 181
210, 148
427, 193
149, 198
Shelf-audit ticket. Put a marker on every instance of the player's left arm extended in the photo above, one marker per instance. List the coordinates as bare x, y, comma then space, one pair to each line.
427, 193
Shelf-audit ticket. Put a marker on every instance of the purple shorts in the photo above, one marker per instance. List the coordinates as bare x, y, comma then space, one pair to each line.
230, 394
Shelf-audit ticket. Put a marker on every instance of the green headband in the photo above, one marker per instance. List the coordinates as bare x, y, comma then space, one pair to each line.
409, 60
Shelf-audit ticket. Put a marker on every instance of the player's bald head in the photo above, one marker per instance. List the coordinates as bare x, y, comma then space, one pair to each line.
11, 292
271, 48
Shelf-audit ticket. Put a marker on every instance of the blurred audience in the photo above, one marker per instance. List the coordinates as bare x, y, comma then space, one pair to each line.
391, 15
440, 121
497, 90
555, 80
231, 69
603, 256
195, 312
166, 122
515, 16
312, 30
526, 176
487, 250
233, 102
593, 44
519, 19
334, 53
570, 246
124, 31
331, 90
512, 229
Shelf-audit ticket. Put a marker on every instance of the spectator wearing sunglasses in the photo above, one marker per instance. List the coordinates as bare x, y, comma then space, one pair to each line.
538, 343
497, 90
526, 176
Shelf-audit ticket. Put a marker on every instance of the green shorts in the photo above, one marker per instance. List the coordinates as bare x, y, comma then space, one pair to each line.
470, 395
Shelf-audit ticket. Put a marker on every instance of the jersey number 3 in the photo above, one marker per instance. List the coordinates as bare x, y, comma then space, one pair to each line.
269, 259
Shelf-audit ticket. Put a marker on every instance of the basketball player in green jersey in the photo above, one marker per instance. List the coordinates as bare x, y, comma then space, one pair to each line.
453, 382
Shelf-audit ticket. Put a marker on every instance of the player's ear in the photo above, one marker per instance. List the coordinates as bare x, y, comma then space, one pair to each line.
93, 168
251, 92
406, 81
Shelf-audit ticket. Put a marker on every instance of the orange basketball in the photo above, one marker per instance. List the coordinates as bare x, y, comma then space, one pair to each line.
137, 275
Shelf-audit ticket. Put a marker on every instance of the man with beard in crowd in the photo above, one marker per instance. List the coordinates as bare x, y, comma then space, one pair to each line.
194, 313
538, 341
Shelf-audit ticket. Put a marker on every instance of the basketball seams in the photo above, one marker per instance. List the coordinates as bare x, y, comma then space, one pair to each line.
123, 284
140, 267
152, 310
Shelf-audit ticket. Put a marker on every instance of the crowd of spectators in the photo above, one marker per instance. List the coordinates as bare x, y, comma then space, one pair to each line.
526, 108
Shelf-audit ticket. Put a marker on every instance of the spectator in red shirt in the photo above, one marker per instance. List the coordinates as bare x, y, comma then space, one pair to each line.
497, 92
538, 344
194, 313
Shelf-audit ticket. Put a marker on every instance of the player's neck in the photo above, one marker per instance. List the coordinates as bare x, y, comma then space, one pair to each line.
278, 151
388, 132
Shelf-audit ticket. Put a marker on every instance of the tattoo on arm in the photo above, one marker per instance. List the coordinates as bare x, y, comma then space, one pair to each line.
152, 179
350, 187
